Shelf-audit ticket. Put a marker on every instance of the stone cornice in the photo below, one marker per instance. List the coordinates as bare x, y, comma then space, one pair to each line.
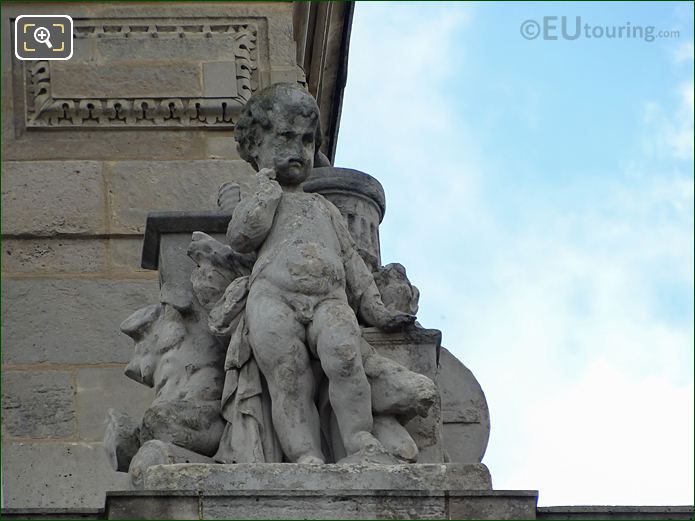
322, 32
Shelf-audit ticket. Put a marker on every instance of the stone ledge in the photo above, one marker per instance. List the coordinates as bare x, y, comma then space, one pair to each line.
159, 223
298, 477
52, 513
615, 512
321, 504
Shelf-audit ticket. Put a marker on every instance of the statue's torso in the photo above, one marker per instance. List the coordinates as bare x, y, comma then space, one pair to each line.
301, 253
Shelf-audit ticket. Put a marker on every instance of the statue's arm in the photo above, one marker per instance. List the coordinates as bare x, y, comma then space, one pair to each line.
362, 291
253, 216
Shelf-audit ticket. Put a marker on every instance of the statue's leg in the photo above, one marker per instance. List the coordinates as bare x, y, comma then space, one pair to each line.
278, 342
336, 337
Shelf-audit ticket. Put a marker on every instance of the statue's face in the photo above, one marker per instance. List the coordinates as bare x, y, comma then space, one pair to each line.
289, 148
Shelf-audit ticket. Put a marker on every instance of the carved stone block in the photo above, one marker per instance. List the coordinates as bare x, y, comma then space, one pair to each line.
167, 87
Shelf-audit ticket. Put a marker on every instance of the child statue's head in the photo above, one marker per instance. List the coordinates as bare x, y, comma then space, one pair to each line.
279, 128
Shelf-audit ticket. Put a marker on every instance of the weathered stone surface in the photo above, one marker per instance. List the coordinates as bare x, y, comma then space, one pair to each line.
57, 255
120, 144
57, 475
325, 506
219, 79
125, 254
183, 9
493, 505
127, 80
340, 504
217, 265
50, 197
416, 347
155, 452
465, 412
282, 51
139, 187
130, 505
360, 199
193, 49
294, 476
69, 320
177, 356
8, 130
174, 263
38, 404
615, 512
52, 513
396, 290
307, 293
121, 439
101, 388
220, 145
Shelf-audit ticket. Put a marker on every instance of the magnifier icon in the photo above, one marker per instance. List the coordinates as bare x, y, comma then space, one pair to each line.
42, 35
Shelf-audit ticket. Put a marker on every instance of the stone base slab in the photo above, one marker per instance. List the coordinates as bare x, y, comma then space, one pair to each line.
298, 477
322, 504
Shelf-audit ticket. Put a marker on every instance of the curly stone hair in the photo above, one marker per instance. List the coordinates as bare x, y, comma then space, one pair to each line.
257, 116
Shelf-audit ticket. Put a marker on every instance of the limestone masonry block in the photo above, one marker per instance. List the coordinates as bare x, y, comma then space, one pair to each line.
125, 253
121, 144
101, 388
51, 197
57, 475
69, 321
55, 255
38, 405
139, 187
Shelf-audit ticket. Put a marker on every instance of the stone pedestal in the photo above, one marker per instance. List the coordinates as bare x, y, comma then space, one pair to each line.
318, 504
296, 477
293, 491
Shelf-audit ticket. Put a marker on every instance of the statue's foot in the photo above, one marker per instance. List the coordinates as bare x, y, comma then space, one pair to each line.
309, 459
371, 451
156, 452
395, 438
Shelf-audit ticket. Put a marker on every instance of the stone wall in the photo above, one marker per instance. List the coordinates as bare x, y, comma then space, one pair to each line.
140, 119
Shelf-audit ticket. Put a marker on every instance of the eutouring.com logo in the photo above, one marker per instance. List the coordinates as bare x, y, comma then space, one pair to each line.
572, 28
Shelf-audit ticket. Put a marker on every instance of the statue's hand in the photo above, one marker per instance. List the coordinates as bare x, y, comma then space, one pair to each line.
395, 320
376, 314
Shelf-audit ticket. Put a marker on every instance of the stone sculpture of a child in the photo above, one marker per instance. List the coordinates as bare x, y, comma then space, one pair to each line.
307, 281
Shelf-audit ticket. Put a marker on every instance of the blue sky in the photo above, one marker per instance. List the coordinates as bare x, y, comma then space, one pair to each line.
540, 194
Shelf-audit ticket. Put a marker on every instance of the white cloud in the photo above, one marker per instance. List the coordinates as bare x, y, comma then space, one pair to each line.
588, 379
684, 52
671, 133
616, 438
587, 385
